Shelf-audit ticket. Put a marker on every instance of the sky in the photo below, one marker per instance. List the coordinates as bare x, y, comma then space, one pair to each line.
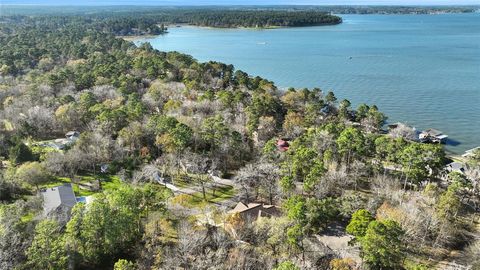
242, 2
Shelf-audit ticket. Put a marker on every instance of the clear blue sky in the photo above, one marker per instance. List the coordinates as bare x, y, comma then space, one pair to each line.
243, 2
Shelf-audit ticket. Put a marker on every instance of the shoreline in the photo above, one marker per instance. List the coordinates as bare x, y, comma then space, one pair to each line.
455, 149
169, 26
246, 27
137, 37
178, 25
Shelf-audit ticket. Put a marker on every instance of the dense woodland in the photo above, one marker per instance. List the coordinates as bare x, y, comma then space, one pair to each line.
251, 18
139, 21
175, 11
149, 115
397, 9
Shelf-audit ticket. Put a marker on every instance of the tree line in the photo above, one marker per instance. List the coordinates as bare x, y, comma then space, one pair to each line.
136, 22
249, 18
9, 10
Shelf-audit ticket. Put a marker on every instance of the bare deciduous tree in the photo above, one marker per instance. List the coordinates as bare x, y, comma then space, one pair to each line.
404, 131
199, 248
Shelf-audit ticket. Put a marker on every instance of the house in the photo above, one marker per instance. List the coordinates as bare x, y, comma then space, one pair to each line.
283, 145
60, 144
470, 153
104, 168
455, 167
432, 136
253, 211
72, 135
58, 199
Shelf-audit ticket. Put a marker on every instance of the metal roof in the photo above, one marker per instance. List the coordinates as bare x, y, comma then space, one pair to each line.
433, 132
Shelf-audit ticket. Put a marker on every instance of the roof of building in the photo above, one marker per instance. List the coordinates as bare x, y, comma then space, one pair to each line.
456, 166
433, 132
58, 196
282, 142
283, 145
254, 210
72, 133
241, 207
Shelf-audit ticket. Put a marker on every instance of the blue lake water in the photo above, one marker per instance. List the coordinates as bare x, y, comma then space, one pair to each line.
420, 69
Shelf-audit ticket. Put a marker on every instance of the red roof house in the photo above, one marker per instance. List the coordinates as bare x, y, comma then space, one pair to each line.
282, 145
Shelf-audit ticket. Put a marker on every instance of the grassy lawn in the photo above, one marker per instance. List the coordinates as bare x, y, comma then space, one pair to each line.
56, 182
27, 217
181, 183
221, 193
111, 182
108, 182
79, 192
414, 263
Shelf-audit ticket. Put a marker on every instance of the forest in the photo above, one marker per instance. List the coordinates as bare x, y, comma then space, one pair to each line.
177, 11
138, 21
159, 161
250, 18
371, 9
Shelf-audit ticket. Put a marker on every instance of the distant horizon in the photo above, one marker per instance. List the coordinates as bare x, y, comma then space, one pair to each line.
224, 5
240, 3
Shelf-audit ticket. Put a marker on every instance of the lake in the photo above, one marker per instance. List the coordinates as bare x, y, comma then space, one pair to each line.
420, 69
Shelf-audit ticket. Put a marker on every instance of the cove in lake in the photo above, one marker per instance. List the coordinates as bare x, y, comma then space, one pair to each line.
420, 69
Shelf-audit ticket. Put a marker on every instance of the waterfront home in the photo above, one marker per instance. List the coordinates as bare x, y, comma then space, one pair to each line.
432, 136
455, 167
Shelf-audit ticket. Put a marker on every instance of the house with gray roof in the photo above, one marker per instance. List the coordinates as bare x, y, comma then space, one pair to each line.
73, 135
453, 167
58, 199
